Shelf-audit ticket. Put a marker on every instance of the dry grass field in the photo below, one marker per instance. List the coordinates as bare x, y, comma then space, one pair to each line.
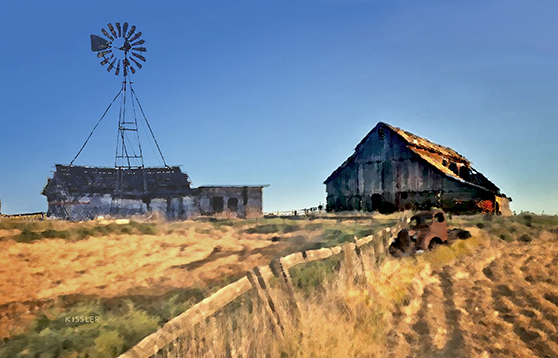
51, 269
493, 295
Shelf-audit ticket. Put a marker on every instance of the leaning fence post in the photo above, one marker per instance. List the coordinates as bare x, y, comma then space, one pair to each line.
286, 284
261, 287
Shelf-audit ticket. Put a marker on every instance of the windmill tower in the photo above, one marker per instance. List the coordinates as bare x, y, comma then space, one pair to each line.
122, 49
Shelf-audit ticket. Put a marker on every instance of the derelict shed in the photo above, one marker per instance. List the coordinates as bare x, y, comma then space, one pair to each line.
393, 170
79, 192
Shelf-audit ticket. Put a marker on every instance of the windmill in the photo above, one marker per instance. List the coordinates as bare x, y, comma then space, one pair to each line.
78, 192
121, 49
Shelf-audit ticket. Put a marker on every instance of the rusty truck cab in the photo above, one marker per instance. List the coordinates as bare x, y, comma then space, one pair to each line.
427, 229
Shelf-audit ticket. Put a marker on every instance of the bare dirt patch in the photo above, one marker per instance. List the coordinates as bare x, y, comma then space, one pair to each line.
499, 302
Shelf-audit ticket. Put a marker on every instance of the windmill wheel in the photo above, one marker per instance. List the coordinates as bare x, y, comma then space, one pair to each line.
120, 48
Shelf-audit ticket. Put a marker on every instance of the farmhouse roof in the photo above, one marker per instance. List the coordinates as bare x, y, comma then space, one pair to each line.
160, 182
436, 155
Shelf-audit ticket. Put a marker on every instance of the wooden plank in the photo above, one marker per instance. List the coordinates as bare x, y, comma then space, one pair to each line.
178, 325
365, 240
308, 256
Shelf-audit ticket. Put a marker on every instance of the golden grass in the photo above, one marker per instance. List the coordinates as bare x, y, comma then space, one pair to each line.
343, 319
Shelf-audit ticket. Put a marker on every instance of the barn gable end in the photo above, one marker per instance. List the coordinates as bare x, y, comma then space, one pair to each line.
392, 170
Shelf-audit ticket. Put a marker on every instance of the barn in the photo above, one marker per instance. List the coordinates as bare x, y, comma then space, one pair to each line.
393, 170
82, 192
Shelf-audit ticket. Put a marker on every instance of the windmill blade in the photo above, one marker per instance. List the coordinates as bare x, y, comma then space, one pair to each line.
107, 34
106, 60
137, 63
111, 28
140, 42
98, 43
126, 63
118, 28
117, 68
111, 66
125, 71
124, 29
139, 56
131, 31
135, 36
140, 49
103, 54
132, 69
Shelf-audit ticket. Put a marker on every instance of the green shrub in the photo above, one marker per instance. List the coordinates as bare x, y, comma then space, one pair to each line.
144, 228
27, 235
273, 228
312, 275
83, 233
111, 335
50, 234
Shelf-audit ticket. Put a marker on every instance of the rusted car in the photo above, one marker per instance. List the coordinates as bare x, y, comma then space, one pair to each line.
426, 230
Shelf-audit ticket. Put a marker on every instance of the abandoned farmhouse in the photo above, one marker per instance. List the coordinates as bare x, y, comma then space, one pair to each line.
393, 170
80, 192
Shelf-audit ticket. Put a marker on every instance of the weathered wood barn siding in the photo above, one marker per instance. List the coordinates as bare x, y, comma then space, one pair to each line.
80, 193
384, 174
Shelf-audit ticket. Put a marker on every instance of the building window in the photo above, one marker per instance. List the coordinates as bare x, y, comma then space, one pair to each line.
232, 204
217, 204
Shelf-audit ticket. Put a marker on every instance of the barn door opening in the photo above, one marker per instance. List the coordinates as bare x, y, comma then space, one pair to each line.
217, 204
376, 202
232, 204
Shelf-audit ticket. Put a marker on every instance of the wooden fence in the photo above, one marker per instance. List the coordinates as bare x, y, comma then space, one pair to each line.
374, 246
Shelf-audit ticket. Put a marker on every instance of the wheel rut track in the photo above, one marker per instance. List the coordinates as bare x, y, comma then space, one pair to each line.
523, 306
500, 301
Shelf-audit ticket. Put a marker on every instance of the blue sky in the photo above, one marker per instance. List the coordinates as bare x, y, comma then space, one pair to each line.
280, 92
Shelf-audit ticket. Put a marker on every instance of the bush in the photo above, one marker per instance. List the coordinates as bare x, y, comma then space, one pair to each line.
313, 275
50, 234
27, 235
273, 228
111, 335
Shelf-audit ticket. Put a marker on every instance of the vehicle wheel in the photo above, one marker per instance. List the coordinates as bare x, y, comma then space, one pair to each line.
433, 243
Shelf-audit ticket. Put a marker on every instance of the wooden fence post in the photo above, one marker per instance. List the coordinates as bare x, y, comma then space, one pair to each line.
261, 287
386, 239
379, 247
358, 252
286, 284
351, 269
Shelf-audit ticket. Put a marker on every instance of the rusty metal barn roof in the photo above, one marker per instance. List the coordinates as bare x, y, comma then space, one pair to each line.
434, 154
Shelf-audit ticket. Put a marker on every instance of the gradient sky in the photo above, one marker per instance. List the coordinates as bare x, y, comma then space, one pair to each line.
280, 92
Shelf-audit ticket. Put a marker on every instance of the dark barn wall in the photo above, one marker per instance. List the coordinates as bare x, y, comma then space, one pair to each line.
385, 175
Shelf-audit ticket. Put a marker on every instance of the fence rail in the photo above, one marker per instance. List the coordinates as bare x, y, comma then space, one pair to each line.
375, 246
